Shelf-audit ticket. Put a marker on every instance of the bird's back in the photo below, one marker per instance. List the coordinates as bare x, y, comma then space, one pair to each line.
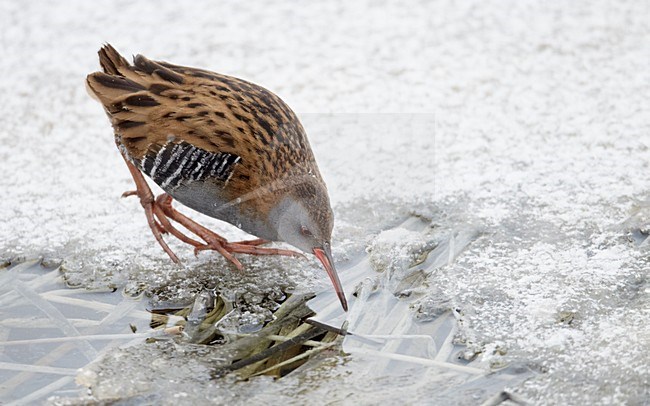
198, 133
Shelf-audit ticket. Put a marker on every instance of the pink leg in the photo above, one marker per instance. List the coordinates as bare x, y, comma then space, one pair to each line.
161, 208
146, 200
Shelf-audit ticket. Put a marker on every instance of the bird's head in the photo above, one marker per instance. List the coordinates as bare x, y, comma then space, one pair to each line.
304, 219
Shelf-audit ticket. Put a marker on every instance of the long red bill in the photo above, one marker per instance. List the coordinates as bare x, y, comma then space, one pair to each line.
325, 256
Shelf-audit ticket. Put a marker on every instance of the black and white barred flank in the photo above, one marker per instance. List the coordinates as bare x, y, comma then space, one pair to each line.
179, 163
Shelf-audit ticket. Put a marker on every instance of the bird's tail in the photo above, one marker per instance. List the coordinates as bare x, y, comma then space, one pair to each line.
111, 60
117, 79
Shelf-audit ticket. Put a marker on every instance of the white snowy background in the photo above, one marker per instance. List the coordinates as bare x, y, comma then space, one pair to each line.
529, 120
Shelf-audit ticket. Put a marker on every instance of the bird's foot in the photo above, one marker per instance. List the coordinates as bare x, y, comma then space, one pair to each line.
227, 249
214, 241
159, 211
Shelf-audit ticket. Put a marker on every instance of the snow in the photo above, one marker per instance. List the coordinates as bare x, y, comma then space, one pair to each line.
519, 132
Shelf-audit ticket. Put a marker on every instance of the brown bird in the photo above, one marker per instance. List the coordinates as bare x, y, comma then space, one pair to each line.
222, 146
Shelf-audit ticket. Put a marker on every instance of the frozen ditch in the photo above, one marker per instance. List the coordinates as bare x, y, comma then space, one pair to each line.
396, 329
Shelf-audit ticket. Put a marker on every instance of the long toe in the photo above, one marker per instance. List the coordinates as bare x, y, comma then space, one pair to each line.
255, 250
254, 242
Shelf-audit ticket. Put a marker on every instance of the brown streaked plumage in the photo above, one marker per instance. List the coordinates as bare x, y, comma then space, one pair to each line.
222, 146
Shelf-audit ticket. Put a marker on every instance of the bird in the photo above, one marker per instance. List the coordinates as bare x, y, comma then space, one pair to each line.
222, 146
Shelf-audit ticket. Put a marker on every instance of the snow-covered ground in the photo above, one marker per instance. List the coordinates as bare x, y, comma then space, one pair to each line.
518, 131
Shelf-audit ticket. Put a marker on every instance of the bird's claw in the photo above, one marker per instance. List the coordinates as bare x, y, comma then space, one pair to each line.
199, 248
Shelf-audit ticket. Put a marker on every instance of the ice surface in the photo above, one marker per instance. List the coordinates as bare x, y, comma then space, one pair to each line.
516, 130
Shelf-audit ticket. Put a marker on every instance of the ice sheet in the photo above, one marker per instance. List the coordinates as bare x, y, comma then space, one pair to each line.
526, 121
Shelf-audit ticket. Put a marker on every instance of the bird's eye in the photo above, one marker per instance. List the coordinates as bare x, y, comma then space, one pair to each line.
305, 231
